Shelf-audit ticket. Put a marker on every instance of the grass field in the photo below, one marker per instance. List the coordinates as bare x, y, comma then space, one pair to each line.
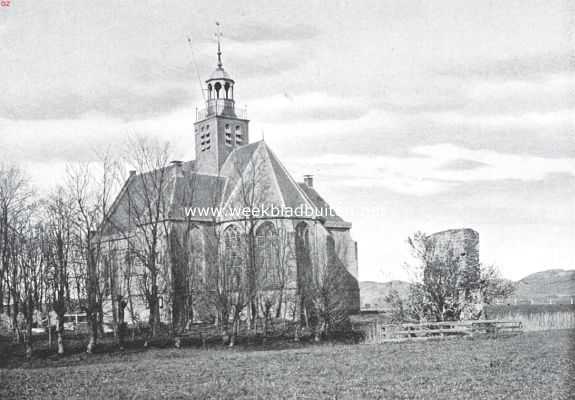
534, 365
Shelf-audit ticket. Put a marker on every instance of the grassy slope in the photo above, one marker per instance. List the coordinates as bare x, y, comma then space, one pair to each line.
529, 366
550, 283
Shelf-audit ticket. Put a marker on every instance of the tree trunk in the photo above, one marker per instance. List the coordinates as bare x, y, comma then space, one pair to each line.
280, 301
60, 336
60, 339
297, 318
91, 343
224, 320
93, 321
154, 303
234, 332
100, 318
49, 332
297, 330
15, 328
60, 333
92, 285
253, 317
113, 299
28, 309
28, 340
121, 322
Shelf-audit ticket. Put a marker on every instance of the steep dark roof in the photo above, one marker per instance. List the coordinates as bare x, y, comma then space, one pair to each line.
236, 164
332, 220
185, 188
292, 195
131, 196
197, 191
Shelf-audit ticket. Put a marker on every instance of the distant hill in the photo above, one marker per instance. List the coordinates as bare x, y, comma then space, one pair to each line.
546, 284
373, 294
538, 287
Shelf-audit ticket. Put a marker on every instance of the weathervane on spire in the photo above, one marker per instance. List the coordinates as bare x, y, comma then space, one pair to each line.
218, 36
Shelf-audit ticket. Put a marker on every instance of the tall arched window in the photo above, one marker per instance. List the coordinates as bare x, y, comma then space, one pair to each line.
217, 87
195, 257
233, 260
303, 254
267, 262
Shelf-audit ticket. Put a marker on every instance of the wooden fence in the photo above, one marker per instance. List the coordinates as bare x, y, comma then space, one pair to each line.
376, 332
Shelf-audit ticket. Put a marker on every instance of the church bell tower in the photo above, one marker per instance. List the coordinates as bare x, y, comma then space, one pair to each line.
219, 127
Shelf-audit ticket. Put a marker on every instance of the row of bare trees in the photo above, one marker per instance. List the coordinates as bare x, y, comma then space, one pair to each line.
74, 248
48, 258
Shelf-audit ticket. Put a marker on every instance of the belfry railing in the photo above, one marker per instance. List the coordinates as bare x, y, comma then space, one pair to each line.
221, 107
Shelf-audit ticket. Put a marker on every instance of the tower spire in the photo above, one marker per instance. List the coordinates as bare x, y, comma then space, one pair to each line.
219, 35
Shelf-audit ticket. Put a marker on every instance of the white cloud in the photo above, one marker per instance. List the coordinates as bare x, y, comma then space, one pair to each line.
426, 171
502, 121
78, 139
495, 165
310, 106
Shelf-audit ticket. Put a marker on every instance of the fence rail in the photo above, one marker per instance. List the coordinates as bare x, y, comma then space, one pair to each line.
376, 332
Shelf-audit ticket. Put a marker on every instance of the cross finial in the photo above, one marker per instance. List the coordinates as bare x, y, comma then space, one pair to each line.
218, 36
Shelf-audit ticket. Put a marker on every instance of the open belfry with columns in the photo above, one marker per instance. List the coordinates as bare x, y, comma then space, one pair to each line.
275, 262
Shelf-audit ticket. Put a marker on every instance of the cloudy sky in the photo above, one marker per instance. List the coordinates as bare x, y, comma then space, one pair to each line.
440, 114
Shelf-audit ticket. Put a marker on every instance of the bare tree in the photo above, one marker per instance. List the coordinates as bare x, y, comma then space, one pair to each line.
185, 277
14, 194
493, 286
441, 286
216, 284
397, 305
284, 248
275, 258
28, 260
146, 230
226, 285
252, 194
230, 283
327, 289
90, 192
59, 210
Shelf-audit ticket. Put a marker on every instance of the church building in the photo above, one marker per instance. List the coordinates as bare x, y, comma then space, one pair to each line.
230, 231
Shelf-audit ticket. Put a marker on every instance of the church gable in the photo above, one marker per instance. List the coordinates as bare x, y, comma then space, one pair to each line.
253, 182
141, 194
262, 173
